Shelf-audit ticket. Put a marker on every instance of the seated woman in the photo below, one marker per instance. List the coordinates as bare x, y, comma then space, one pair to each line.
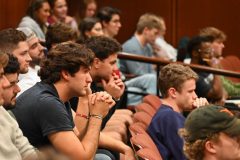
59, 14
36, 18
90, 27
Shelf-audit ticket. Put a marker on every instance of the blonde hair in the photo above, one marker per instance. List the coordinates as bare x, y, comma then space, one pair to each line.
174, 75
150, 21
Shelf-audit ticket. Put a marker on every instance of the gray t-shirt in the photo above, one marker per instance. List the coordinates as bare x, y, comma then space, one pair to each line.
138, 68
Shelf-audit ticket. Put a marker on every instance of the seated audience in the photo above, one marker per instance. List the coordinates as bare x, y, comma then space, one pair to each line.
11, 72
59, 13
90, 27
36, 18
110, 19
36, 52
211, 132
58, 33
148, 28
90, 8
102, 72
14, 42
43, 111
177, 85
161, 48
208, 84
13, 144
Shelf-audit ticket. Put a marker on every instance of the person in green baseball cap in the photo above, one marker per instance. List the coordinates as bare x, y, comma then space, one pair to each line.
211, 133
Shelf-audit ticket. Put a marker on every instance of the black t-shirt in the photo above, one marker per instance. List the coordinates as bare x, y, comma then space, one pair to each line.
40, 112
203, 84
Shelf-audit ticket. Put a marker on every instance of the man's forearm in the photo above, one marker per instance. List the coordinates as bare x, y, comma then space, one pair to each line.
91, 139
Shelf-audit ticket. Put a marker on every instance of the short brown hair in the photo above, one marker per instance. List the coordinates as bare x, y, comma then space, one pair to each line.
150, 21
68, 56
174, 75
58, 33
3, 59
10, 38
213, 32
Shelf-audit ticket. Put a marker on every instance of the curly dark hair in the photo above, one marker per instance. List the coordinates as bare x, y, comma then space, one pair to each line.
102, 46
68, 56
105, 14
13, 65
87, 24
9, 39
35, 5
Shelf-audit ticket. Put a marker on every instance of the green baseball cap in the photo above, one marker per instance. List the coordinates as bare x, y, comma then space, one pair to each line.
211, 119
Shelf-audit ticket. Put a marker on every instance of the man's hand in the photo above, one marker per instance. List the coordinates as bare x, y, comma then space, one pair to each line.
115, 86
128, 154
99, 103
200, 102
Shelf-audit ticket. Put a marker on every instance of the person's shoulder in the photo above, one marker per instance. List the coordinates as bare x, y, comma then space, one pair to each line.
131, 41
166, 112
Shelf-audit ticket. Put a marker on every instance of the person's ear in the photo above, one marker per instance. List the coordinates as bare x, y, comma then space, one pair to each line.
65, 74
210, 147
96, 63
172, 92
195, 54
88, 34
104, 24
145, 30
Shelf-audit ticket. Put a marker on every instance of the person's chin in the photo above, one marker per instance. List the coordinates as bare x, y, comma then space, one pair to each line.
9, 106
23, 71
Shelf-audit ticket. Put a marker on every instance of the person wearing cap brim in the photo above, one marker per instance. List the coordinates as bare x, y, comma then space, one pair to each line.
177, 84
210, 133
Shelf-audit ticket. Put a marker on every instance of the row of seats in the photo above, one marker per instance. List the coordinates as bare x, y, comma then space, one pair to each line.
142, 143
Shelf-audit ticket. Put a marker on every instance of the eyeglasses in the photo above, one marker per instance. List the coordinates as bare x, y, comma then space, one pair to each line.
206, 50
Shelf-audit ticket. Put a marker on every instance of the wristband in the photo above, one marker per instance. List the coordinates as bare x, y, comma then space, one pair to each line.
96, 116
82, 115
116, 100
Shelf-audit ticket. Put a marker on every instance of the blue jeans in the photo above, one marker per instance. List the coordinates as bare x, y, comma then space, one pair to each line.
143, 84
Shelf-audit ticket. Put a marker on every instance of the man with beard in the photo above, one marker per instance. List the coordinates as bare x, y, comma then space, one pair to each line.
36, 52
11, 72
14, 42
13, 144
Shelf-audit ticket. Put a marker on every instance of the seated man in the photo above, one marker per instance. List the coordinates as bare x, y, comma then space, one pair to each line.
11, 72
211, 132
43, 111
208, 85
13, 144
177, 85
36, 52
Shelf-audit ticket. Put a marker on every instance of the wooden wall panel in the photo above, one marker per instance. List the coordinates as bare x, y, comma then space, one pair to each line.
132, 10
11, 12
224, 14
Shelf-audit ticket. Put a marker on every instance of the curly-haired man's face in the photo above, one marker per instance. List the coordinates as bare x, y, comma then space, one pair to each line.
107, 67
80, 82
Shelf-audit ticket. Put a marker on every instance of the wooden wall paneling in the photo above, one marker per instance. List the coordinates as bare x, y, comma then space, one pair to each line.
11, 12
194, 15
132, 10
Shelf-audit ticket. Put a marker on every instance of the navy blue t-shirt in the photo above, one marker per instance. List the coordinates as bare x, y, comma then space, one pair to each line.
39, 112
163, 129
